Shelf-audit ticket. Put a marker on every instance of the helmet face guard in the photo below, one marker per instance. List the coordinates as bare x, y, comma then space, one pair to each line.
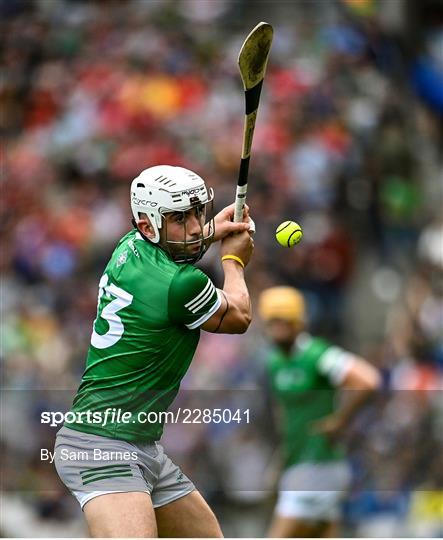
191, 251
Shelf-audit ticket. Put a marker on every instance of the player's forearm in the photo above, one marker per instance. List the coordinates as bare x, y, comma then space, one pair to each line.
352, 403
236, 291
361, 381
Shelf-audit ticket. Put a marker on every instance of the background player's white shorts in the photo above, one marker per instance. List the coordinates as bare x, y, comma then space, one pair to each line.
92, 465
313, 491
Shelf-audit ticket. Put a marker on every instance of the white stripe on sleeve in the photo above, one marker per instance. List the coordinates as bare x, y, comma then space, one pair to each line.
335, 363
195, 300
207, 315
204, 300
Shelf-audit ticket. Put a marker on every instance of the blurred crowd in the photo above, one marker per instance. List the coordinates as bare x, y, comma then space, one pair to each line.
94, 92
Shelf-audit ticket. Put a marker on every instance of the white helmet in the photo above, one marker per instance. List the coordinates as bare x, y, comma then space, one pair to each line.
164, 188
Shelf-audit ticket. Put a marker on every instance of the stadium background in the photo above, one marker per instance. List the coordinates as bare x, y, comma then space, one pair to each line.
348, 143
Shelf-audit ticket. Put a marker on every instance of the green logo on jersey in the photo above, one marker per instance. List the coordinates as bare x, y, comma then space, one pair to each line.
288, 378
122, 258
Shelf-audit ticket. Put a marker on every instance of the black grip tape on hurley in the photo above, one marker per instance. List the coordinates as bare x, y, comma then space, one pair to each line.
243, 172
252, 97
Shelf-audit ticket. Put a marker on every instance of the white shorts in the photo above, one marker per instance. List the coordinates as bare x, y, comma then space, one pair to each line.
313, 491
92, 465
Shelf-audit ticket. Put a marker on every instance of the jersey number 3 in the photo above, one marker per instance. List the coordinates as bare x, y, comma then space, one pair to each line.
109, 314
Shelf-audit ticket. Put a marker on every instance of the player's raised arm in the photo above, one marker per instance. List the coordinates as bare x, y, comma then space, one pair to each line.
234, 314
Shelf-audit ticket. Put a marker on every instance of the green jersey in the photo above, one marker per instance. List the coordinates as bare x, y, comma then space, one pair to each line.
144, 337
304, 384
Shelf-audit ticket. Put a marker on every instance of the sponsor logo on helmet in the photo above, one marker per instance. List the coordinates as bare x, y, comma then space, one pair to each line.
192, 191
143, 202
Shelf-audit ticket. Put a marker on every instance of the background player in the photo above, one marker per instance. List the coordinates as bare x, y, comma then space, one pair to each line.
150, 312
305, 373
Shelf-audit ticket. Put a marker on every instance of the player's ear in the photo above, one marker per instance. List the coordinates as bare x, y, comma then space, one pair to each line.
145, 227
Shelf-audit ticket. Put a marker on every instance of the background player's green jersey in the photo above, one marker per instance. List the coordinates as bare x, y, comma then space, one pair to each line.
304, 385
144, 337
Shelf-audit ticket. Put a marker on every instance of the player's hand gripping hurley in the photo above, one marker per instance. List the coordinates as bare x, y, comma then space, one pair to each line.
252, 62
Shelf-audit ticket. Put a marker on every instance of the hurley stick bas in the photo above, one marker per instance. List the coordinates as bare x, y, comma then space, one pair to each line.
252, 62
